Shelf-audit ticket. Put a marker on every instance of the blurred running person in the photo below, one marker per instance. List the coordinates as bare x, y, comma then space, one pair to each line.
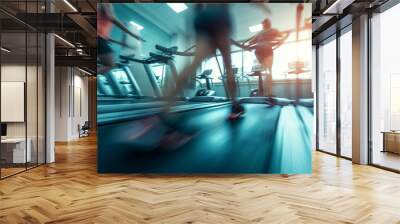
212, 24
105, 23
264, 43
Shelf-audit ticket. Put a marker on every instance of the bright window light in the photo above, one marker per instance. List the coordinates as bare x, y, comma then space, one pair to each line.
256, 28
177, 7
139, 27
70, 5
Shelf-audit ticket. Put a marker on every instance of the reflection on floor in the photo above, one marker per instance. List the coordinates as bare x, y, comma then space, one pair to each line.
12, 169
387, 159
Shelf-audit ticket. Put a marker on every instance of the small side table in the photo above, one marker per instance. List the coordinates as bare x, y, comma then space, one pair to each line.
391, 141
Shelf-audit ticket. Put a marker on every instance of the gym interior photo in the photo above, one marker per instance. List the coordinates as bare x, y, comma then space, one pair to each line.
122, 111
138, 133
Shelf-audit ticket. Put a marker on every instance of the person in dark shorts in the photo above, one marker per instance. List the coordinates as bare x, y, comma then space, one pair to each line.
103, 47
212, 24
264, 44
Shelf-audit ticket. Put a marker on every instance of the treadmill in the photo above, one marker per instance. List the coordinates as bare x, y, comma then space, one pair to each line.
118, 109
169, 54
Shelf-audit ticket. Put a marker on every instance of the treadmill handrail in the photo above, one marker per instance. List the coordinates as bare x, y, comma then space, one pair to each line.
173, 51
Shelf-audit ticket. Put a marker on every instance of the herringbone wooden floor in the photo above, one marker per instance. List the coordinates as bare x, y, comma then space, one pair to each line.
71, 191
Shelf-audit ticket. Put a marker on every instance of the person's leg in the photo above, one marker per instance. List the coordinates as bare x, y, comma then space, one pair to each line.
268, 83
225, 49
266, 63
269, 80
262, 55
105, 56
203, 50
223, 44
107, 63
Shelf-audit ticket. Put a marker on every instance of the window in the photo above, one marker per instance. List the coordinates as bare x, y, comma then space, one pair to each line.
385, 88
216, 66
22, 78
237, 60
120, 76
284, 60
327, 96
346, 94
286, 56
249, 61
159, 72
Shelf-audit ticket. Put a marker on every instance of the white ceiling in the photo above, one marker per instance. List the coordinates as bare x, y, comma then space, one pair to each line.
162, 16
282, 16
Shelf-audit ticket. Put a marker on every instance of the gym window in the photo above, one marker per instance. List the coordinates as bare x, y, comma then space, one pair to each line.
159, 72
284, 61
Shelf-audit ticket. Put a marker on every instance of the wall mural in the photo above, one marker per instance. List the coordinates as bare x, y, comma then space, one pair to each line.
204, 88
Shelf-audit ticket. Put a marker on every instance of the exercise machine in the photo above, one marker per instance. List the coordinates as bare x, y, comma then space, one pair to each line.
257, 71
147, 62
205, 96
205, 91
109, 85
224, 78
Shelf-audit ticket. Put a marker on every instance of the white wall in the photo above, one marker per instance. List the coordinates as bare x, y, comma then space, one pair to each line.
71, 102
9, 73
80, 111
16, 73
12, 101
314, 91
61, 103
33, 126
12, 73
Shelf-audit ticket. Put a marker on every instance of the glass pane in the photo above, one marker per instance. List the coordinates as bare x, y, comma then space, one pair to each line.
346, 94
13, 86
121, 77
237, 60
41, 99
216, 67
31, 98
158, 71
327, 97
293, 53
250, 61
386, 89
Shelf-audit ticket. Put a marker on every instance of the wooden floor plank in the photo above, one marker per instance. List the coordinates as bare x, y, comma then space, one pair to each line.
71, 191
